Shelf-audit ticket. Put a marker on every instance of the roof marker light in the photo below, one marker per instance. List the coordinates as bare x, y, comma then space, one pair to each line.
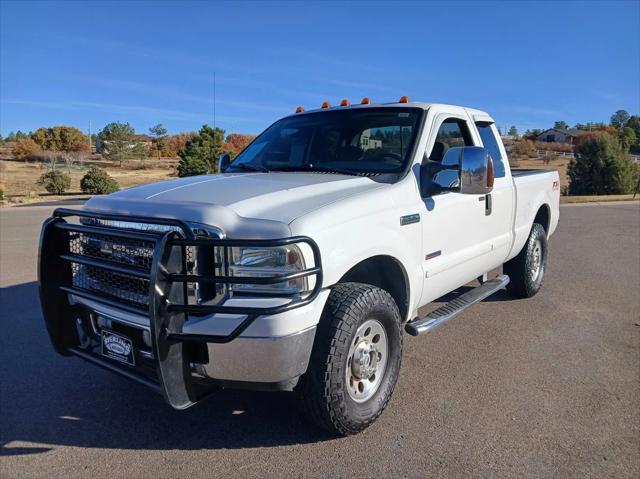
404, 99
365, 101
344, 102
299, 109
325, 104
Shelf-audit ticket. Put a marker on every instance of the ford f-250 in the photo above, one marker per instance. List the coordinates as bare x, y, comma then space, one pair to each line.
302, 264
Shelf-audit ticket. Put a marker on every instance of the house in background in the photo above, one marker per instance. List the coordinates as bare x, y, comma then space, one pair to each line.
555, 135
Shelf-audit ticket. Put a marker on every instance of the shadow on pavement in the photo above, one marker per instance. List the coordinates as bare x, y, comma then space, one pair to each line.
52, 400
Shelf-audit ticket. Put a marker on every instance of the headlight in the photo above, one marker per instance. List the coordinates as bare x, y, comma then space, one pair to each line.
268, 262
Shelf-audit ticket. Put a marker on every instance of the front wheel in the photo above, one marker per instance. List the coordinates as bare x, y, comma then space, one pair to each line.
355, 361
526, 271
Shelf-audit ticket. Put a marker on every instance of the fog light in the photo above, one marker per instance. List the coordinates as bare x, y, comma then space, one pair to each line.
104, 322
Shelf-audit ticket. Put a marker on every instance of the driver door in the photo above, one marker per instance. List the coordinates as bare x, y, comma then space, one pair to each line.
456, 241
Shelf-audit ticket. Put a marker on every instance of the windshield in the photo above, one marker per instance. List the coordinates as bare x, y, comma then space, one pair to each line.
352, 141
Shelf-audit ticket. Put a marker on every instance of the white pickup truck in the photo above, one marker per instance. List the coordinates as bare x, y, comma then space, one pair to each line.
301, 265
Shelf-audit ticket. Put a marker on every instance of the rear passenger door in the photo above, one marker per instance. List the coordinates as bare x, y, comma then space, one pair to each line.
502, 197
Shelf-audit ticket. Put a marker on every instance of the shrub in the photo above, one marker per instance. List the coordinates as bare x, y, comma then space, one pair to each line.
55, 182
548, 158
523, 148
1, 191
98, 182
602, 167
553, 146
26, 149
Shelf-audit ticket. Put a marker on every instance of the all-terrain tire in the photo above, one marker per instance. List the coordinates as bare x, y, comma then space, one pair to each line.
323, 389
526, 271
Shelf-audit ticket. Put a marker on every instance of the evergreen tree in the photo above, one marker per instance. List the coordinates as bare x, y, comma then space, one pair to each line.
601, 167
201, 153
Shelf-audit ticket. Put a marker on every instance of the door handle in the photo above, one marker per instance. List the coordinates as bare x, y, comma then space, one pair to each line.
487, 205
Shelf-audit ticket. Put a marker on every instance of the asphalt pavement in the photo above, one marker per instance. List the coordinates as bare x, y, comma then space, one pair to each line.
544, 387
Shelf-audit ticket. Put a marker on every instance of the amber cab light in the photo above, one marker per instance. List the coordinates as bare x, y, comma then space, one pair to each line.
365, 101
404, 99
325, 104
299, 109
344, 102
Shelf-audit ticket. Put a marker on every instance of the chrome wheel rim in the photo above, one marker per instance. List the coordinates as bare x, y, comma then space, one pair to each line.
536, 261
366, 361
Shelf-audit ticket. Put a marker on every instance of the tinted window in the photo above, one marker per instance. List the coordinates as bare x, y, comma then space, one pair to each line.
490, 142
377, 140
452, 132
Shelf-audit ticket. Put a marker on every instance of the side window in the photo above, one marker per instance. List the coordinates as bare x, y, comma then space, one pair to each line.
452, 132
490, 142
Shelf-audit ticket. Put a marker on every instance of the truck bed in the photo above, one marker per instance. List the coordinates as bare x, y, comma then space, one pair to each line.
518, 172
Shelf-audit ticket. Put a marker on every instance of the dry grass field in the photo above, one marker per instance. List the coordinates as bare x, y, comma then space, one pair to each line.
20, 178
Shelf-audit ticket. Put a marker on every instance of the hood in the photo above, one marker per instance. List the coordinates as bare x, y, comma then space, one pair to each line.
216, 199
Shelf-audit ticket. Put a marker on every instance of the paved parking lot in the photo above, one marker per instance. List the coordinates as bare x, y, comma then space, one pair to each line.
544, 387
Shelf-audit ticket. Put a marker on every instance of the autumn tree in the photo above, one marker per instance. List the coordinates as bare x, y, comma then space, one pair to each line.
236, 142
60, 138
159, 135
26, 149
201, 153
176, 143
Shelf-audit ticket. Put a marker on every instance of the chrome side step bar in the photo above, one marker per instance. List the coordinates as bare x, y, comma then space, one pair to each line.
456, 306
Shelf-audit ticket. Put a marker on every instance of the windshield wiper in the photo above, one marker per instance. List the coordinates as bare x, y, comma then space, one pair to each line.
247, 167
324, 169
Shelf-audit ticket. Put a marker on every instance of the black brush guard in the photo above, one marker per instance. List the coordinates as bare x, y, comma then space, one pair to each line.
168, 307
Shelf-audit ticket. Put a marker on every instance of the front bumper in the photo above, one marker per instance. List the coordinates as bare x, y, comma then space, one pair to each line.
175, 361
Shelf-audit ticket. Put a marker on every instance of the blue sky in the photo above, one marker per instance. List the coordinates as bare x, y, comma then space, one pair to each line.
527, 63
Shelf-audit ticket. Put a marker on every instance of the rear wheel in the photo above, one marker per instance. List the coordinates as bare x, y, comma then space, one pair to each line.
526, 271
356, 359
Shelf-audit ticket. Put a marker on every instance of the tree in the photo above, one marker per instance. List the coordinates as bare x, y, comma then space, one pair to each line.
236, 142
601, 168
619, 118
1, 140
159, 134
11, 136
532, 134
634, 123
177, 143
201, 153
513, 131
60, 138
627, 138
98, 182
561, 125
117, 142
56, 182
21, 135
26, 149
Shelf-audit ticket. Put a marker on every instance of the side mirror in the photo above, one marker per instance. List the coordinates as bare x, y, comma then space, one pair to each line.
465, 169
224, 161
476, 171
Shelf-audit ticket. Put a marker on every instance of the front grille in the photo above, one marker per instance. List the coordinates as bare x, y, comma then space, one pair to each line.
116, 286
119, 250
139, 254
